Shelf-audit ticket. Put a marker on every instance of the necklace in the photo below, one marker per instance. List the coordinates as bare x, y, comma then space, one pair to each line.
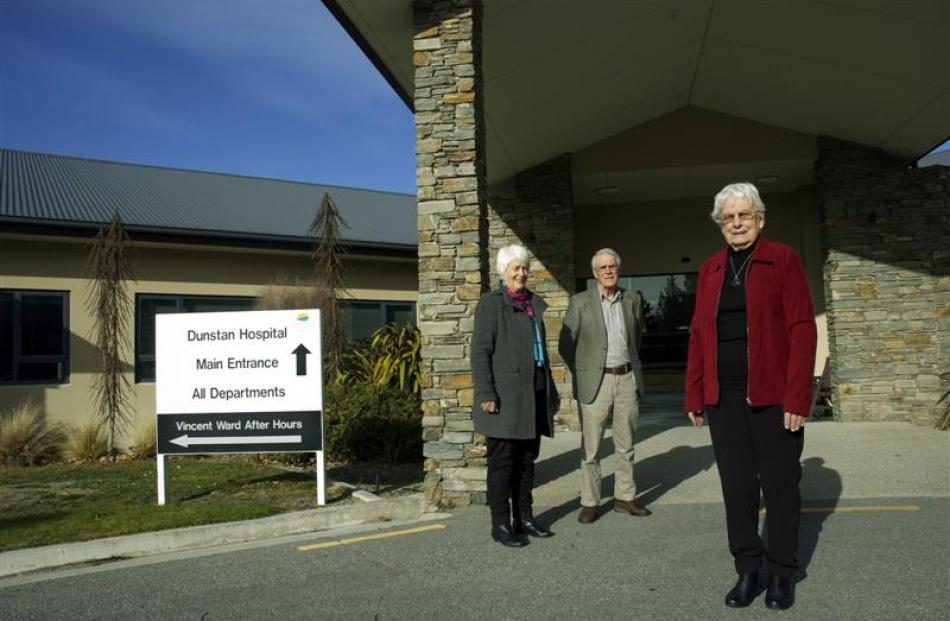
737, 272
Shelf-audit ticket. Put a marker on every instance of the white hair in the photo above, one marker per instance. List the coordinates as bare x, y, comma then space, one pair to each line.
610, 251
737, 190
510, 253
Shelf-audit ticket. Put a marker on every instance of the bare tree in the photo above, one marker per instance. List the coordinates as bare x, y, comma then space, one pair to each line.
328, 272
110, 305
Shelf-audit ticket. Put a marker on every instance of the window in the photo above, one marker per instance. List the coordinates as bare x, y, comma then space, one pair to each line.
149, 305
668, 308
361, 319
34, 337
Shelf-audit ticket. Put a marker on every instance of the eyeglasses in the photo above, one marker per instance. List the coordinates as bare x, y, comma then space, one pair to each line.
606, 268
744, 216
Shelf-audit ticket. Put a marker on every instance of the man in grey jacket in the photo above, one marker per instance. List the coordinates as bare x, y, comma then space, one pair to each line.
600, 343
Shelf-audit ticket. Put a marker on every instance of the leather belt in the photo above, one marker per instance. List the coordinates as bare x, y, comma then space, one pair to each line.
621, 370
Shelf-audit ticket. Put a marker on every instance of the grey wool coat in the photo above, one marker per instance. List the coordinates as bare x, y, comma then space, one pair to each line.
583, 340
503, 369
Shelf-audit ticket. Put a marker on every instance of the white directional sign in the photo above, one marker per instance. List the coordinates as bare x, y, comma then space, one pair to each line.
239, 382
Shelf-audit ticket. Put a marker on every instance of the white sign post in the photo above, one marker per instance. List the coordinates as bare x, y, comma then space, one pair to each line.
240, 382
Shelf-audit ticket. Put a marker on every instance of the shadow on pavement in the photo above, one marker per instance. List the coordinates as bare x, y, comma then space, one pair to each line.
827, 487
656, 475
661, 473
569, 462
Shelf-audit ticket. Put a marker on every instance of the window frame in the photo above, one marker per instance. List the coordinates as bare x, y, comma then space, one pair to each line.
582, 285
179, 299
18, 357
383, 306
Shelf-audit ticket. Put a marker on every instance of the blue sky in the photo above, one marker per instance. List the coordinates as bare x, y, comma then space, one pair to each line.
270, 88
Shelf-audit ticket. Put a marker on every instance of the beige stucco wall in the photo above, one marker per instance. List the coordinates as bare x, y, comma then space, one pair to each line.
661, 237
31, 262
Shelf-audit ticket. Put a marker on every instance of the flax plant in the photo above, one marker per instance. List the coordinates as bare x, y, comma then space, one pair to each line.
389, 358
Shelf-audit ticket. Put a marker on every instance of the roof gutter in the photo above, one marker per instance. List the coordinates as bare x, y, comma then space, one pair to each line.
88, 230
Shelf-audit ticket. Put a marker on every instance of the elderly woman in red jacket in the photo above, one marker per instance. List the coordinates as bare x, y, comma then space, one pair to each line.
750, 368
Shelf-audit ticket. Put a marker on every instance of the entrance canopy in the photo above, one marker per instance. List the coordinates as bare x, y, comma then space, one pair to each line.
690, 89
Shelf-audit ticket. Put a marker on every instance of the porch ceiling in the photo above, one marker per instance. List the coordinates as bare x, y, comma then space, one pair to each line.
562, 75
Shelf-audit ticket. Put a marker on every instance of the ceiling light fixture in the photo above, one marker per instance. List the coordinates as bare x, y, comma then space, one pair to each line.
767, 180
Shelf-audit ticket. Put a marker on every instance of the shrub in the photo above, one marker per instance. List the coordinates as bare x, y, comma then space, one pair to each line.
144, 443
389, 358
88, 443
367, 422
26, 439
297, 460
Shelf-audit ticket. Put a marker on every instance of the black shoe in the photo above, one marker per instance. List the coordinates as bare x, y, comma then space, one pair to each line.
503, 535
745, 590
779, 595
530, 527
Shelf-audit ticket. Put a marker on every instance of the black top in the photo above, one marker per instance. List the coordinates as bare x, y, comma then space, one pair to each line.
731, 324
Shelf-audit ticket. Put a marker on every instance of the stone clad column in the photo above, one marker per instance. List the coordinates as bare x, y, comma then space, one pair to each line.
887, 281
450, 175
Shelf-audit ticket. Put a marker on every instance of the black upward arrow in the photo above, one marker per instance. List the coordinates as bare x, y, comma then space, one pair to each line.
301, 352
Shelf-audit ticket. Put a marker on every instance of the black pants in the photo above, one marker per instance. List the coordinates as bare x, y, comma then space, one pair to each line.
511, 476
511, 465
754, 451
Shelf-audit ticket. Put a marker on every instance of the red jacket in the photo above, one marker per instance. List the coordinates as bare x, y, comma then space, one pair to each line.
782, 333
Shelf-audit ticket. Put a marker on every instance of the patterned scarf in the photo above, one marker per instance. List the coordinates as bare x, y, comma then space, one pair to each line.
522, 300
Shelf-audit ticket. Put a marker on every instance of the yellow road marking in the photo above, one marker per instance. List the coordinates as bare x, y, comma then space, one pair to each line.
374, 537
866, 509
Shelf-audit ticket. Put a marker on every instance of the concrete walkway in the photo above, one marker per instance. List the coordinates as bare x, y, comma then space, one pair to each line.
675, 463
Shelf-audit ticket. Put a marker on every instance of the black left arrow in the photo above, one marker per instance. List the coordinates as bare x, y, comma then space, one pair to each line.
301, 352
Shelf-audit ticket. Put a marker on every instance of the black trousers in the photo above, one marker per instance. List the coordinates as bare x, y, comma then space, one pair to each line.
754, 451
511, 477
511, 466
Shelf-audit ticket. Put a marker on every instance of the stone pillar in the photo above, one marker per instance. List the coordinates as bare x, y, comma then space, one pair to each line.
450, 176
887, 281
539, 215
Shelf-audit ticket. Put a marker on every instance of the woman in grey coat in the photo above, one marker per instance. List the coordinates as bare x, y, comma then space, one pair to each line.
515, 397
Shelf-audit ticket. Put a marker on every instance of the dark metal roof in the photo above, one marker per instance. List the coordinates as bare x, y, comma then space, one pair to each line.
60, 192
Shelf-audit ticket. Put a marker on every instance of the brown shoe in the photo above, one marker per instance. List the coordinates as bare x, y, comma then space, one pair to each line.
632, 507
588, 515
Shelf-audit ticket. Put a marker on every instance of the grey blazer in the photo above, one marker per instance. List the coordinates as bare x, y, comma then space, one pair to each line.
583, 340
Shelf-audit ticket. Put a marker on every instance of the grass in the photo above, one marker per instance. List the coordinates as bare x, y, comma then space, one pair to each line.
77, 502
